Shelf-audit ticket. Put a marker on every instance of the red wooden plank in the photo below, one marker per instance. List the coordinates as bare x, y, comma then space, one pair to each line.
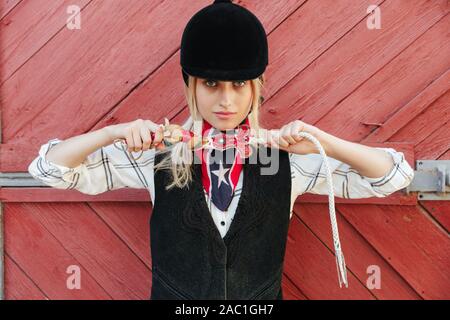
18, 43
181, 116
311, 267
130, 222
82, 62
359, 254
42, 257
48, 194
107, 259
432, 125
397, 198
18, 286
290, 291
394, 85
298, 42
440, 211
445, 156
434, 145
9, 152
6, 6
327, 80
411, 110
410, 242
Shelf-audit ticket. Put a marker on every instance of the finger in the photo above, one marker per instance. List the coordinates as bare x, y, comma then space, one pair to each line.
276, 139
280, 140
159, 136
129, 139
286, 134
284, 143
273, 138
136, 139
153, 128
279, 145
296, 131
146, 138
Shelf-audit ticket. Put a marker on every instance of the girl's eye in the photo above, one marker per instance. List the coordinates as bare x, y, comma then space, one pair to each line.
207, 82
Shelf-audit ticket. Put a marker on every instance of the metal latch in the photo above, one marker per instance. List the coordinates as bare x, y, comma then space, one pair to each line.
431, 180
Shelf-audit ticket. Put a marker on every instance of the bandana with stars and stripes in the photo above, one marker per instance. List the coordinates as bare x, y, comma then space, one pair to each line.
220, 174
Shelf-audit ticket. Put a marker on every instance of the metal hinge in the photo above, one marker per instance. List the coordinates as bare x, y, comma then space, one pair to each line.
431, 180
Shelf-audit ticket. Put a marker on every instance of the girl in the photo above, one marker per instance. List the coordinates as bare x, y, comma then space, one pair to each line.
220, 214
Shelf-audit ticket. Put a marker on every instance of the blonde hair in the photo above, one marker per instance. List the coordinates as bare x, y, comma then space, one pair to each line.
179, 157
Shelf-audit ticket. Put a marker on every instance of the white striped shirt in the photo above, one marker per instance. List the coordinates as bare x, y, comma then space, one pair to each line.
109, 168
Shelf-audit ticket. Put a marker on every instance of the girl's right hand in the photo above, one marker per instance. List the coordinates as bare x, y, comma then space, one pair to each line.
137, 134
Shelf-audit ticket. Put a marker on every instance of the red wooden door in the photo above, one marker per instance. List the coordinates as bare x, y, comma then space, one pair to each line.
380, 87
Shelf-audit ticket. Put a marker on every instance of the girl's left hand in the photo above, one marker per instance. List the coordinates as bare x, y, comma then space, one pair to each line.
287, 138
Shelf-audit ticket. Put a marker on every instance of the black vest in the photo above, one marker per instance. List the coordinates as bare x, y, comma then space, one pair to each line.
190, 259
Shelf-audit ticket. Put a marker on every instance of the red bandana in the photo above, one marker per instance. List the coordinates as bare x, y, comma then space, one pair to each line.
226, 180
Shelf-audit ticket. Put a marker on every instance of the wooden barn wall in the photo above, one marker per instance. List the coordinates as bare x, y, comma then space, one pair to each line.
381, 87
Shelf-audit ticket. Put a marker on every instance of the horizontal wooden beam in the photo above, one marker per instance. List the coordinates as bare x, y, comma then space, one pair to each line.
47, 194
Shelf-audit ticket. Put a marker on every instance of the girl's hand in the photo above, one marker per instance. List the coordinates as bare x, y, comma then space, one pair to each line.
287, 138
137, 134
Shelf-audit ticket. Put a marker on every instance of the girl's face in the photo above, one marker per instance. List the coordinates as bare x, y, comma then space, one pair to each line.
215, 97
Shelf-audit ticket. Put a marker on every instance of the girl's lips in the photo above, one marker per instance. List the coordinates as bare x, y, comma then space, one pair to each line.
223, 115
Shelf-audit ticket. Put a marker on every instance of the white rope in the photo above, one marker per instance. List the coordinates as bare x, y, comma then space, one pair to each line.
340, 261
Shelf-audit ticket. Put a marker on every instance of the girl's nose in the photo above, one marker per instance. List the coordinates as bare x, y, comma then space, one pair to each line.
227, 94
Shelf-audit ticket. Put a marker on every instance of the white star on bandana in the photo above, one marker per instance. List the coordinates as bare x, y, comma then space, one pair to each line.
221, 174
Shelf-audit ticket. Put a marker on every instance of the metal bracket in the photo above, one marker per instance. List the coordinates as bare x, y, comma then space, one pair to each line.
18, 179
431, 180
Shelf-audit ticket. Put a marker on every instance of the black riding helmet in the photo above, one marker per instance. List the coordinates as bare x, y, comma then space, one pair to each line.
224, 41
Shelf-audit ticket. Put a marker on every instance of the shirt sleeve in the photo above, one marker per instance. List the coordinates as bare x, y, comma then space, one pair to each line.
308, 176
108, 168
